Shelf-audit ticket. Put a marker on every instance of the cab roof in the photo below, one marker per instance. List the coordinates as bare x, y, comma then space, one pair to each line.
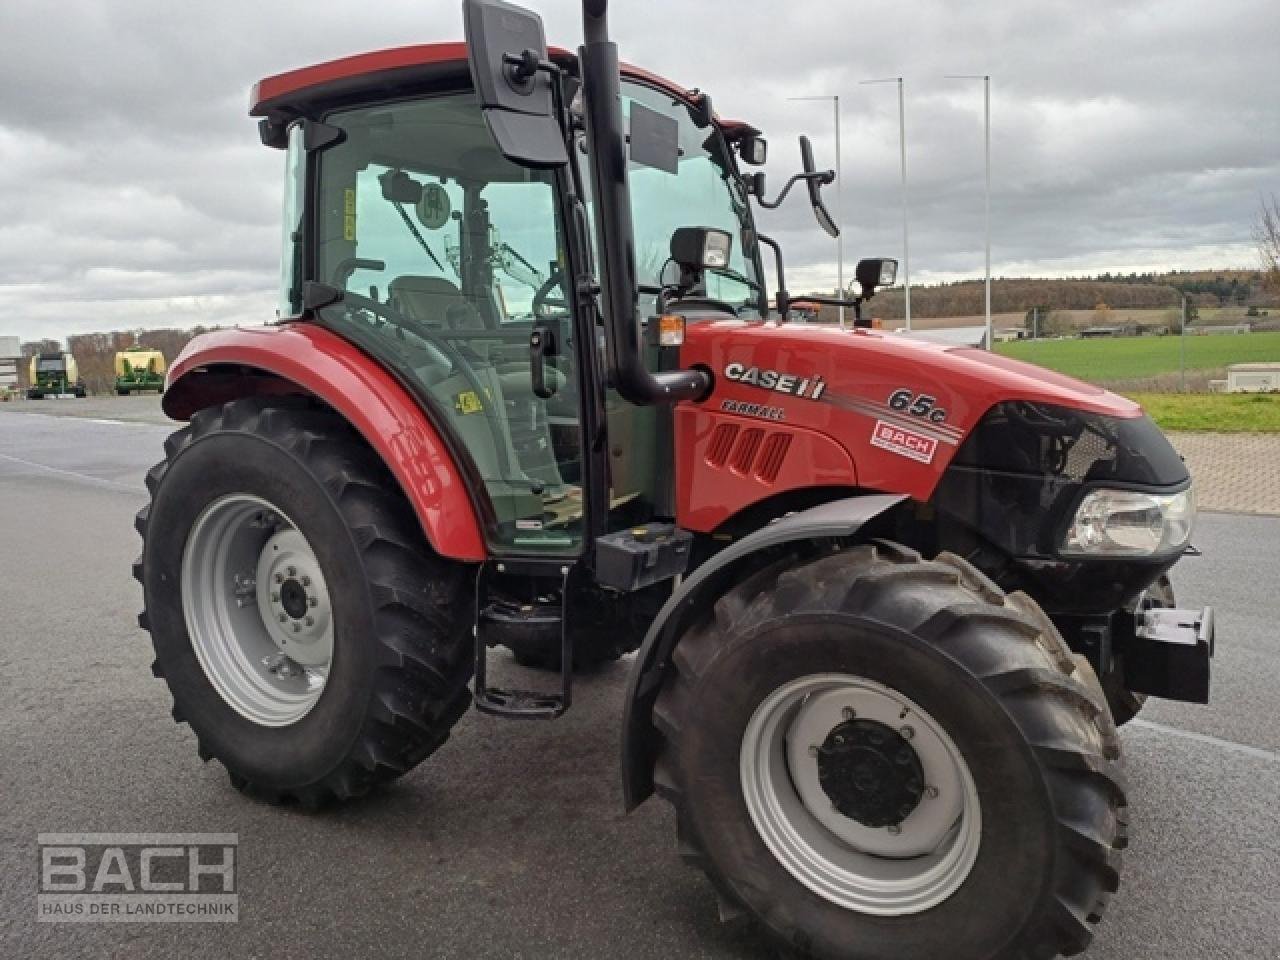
406, 69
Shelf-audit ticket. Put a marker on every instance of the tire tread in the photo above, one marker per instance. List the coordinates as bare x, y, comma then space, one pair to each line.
1040, 685
425, 652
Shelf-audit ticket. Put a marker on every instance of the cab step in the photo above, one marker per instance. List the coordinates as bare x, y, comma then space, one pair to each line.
497, 616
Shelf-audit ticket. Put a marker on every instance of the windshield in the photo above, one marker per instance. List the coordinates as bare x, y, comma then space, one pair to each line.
704, 192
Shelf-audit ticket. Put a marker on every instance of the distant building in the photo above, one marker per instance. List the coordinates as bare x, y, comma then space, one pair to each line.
1119, 330
1253, 378
951, 336
10, 358
1226, 328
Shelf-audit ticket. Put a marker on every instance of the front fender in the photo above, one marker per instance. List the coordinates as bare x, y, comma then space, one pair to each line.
304, 358
640, 739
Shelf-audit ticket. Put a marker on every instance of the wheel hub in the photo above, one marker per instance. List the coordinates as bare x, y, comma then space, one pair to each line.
294, 599
870, 772
826, 781
257, 610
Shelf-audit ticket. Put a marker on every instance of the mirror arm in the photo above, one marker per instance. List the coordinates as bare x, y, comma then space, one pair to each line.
822, 177
855, 302
527, 63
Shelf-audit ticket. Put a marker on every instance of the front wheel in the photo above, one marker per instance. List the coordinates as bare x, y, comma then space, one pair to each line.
886, 758
305, 629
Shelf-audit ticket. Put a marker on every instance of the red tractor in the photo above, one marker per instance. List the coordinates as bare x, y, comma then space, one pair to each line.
890, 599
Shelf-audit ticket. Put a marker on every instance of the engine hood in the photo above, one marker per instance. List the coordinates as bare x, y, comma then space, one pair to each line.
987, 377
899, 406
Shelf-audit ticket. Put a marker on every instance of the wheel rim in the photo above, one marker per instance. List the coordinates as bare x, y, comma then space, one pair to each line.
903, 868
257, 610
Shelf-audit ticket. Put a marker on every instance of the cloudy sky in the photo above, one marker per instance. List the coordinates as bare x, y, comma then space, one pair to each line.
1125, 135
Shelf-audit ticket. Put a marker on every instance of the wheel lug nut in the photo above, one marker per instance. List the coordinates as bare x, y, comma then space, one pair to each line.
297, 628
813, 750
283, 618
907, 732
292, 571
311, 621
849, 713
275, 598
306, 581
931, 792
894, 829
313, 602
279, 578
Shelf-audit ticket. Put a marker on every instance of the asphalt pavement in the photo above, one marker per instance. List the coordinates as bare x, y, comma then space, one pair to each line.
511, 841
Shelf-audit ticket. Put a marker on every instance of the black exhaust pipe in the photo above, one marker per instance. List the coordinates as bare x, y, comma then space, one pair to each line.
606, 141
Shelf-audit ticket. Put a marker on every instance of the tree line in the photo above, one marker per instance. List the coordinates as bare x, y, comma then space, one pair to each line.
1013, 295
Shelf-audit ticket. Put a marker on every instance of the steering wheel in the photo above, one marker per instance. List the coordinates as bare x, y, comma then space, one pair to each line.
440, 344
540, 299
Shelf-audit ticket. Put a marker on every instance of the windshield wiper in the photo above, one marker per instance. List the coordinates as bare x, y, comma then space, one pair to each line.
416, 235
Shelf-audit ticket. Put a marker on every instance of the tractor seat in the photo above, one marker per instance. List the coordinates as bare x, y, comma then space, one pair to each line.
434, 301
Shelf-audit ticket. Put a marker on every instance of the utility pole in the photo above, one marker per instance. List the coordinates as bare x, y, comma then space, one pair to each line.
986, 111
902, 155
986, 115
835, 103
1182, 362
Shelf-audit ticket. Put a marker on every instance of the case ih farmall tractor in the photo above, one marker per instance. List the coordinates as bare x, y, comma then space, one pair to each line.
890, 599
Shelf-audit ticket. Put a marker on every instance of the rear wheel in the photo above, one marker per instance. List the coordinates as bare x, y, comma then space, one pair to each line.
307, 633
882, 757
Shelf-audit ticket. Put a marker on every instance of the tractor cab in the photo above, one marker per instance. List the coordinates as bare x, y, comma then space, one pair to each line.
436, 253
425, 227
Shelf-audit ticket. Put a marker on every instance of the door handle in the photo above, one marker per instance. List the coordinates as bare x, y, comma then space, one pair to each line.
542, 344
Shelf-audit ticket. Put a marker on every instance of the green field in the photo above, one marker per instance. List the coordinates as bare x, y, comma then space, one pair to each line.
1214, 412
1132, 358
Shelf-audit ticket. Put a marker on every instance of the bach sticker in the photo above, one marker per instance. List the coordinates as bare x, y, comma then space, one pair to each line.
903, 442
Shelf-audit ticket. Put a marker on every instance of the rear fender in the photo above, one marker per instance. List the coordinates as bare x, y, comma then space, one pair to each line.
640, 739
304, 358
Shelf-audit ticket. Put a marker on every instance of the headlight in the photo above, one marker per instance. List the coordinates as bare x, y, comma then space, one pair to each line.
1129, 523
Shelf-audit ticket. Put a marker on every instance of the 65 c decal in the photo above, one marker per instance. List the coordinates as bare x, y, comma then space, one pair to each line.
918, 405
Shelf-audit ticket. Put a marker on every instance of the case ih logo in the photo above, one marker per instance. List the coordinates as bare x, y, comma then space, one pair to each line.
777, 381
904, 442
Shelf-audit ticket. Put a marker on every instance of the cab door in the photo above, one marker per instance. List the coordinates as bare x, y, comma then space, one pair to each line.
448, 257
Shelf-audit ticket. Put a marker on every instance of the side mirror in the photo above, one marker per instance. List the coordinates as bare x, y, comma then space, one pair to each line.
398, 187
506, 50
878, 272
753, 150
815, 188
755, 183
